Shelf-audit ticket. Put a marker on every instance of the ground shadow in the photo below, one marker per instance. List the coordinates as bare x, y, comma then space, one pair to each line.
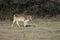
27, 25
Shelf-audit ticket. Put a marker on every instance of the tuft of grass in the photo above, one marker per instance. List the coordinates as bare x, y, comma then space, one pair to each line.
57, 31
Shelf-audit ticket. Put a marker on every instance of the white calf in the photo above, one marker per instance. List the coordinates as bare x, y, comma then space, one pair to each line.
21, 17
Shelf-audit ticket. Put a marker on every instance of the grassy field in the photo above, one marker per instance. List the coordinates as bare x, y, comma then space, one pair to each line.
40, 29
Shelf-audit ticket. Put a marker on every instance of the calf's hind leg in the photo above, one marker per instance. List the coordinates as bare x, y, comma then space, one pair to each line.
17, 23
13, 22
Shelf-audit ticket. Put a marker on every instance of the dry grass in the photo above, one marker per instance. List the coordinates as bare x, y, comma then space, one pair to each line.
39, 30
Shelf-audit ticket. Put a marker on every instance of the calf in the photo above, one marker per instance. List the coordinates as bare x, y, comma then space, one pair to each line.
21, 17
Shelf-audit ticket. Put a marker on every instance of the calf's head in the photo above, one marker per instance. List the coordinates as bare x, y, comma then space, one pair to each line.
29, 18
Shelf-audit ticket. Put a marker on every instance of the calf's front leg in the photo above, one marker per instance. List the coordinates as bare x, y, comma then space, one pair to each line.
25, 22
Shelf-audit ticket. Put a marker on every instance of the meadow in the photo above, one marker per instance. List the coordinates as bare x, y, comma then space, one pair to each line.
39, 29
